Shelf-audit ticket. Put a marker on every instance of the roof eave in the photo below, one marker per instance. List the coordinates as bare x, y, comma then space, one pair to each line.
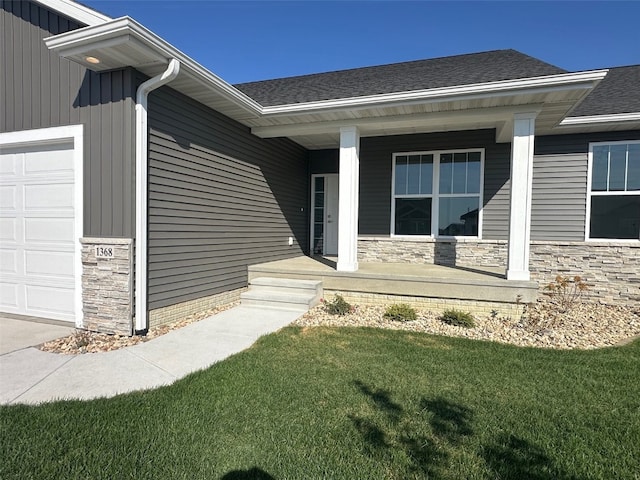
615, 118
75, 11
123, 42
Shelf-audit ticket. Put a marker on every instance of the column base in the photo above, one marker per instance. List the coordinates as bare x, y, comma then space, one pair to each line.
346, 267
524, 275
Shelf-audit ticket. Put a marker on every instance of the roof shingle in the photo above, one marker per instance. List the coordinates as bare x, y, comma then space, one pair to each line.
619, 92
457, 70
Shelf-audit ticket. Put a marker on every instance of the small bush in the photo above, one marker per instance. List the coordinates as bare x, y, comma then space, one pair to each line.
458, 318
338, 306
400, 312
565, 292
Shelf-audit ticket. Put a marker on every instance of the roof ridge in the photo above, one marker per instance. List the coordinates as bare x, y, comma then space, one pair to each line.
407, 62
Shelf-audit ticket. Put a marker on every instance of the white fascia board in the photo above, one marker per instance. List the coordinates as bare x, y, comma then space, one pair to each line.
126, 28
75, 11
463, 92
600, 119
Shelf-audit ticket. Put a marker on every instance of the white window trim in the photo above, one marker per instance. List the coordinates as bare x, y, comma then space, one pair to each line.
50, 136
587, 221
435, 195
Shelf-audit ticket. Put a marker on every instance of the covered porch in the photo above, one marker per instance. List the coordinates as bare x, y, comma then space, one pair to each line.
419, 282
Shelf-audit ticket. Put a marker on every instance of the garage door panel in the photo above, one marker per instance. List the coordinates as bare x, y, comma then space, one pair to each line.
8, 230
8, 165
55, 301
49, 230
9, 198
48, 197
8, 262
9, 295
52, 161
48, 264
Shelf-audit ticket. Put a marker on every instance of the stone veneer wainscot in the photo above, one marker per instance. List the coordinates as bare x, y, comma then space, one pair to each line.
107, 286
611, 269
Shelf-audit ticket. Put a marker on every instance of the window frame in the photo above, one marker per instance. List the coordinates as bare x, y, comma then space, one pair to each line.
616, 193
435, 194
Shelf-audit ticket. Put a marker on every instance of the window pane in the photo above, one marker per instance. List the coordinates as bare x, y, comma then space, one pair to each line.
473, 174
319, 200
459, 173
633, 168
401, 175
413, 216
600, 168
617, 167
319, 184
615, 216
413, 175
446, 172
458, 216
426, 174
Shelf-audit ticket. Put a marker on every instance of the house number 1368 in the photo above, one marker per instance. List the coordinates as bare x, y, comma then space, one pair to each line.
104, 252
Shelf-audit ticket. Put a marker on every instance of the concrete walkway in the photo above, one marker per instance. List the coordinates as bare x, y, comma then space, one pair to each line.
30, 376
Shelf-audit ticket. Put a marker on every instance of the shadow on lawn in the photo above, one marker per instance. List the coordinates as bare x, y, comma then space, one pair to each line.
433, 431
254, 473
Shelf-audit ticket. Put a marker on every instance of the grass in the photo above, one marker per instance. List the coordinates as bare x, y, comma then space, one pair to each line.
352, 404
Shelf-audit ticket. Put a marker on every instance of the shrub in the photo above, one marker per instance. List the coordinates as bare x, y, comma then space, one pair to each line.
458, 318
400, 312
565, 292
338, 306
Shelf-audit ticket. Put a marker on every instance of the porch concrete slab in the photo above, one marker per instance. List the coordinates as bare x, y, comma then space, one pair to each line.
22, 369
16, 334
91, 376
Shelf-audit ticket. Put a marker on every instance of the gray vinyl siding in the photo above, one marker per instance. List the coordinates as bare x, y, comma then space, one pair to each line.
375, 176
579, 142
220, 199
559, 197
38, 89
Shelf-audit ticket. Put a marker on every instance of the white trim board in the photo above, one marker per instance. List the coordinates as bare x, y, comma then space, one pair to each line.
54, 135
75, 11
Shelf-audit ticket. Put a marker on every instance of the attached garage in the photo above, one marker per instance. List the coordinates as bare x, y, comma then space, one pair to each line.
41, 223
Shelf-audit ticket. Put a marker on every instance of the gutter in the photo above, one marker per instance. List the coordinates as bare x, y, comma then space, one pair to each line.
142, 168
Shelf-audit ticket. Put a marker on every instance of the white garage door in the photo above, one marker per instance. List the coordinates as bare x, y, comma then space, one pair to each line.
37, 225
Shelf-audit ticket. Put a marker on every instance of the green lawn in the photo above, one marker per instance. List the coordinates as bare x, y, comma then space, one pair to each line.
352, 404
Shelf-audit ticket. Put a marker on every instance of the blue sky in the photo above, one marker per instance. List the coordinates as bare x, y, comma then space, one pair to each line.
244, 41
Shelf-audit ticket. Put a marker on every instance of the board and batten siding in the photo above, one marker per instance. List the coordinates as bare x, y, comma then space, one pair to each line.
220, 199
376, 172
559, 197
38, 89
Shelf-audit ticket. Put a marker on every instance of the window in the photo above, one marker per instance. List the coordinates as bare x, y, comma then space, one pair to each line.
614, 194
437, 193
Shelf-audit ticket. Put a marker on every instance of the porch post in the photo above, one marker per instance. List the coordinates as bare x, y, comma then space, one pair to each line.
348, 200
520, 201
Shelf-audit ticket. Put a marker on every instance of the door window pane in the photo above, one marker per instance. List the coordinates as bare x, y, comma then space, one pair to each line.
458, 216
413, 216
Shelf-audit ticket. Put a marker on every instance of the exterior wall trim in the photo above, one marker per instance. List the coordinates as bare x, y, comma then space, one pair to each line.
75, 11
56, 135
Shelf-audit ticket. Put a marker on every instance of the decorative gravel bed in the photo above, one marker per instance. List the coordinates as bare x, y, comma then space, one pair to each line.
586, 326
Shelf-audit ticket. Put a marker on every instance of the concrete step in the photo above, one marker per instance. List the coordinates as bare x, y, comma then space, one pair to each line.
282, 293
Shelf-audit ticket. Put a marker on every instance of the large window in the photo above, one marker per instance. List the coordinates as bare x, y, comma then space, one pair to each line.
437, 193
614, 196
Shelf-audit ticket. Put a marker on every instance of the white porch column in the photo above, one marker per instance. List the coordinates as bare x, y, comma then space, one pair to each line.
348, 200
520, 207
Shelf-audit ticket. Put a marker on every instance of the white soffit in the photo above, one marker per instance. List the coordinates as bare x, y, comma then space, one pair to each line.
75, 11
123, 42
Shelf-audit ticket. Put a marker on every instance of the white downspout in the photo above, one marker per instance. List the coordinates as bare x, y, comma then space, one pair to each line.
142, 142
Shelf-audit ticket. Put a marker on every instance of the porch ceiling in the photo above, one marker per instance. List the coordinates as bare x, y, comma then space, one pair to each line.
124, 43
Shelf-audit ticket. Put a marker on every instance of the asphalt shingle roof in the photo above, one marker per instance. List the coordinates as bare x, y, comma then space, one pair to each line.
619, 92
457, 70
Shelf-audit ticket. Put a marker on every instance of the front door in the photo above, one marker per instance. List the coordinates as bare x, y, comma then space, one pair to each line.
324, 219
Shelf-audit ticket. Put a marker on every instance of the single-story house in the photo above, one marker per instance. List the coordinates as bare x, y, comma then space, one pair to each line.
138, 186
